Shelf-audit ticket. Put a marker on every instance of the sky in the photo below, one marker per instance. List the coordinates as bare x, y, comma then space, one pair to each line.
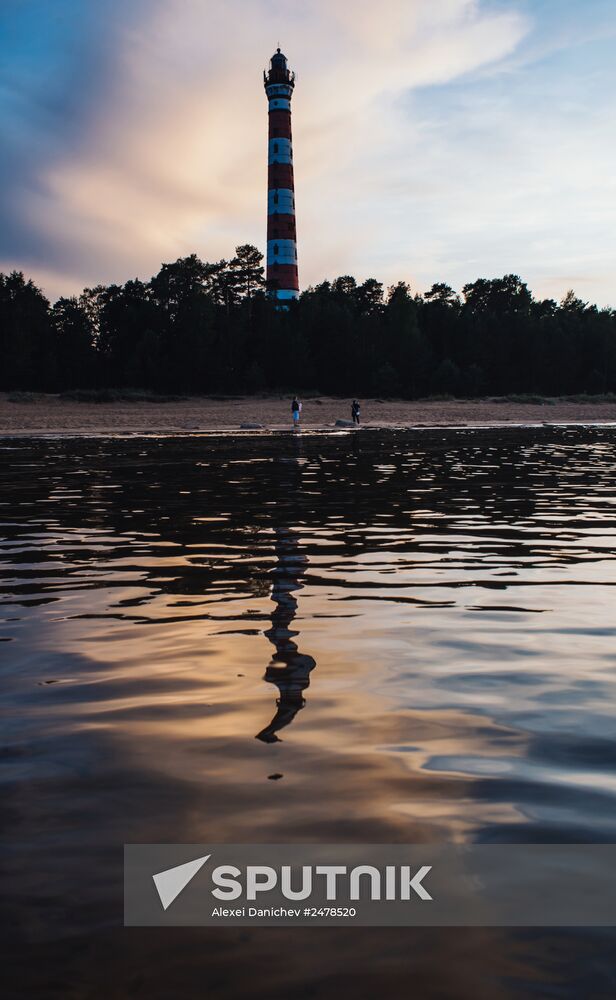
434, 140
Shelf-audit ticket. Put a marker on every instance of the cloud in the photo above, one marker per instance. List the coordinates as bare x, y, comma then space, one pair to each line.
144, 138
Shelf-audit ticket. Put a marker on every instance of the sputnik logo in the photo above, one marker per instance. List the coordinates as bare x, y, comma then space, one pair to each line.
394, 882
169, 884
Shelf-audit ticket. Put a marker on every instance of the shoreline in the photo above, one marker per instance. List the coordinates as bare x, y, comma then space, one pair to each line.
51, 416
268, 432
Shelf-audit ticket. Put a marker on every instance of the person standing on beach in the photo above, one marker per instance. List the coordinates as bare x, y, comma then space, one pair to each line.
296, 409
355, 411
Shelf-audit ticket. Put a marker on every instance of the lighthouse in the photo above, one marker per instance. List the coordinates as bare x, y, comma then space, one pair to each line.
281, 276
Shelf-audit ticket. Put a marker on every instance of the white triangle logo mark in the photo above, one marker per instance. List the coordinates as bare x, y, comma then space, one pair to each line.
170, 883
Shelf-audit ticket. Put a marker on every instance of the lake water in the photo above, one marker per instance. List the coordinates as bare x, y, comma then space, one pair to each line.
368, 637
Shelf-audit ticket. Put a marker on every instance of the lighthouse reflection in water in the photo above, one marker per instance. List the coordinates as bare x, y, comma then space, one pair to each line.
289, 669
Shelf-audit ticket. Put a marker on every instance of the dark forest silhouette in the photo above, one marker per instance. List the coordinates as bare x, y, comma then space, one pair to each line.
200, 327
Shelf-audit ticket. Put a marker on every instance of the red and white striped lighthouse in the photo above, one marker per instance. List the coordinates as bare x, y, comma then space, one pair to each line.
281, 277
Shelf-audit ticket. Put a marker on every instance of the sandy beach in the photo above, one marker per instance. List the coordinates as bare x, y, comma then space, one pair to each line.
49, 414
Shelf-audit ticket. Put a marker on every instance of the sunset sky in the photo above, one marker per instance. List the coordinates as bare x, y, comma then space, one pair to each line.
433, 139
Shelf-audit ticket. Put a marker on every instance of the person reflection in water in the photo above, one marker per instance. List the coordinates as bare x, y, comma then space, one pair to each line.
289, 669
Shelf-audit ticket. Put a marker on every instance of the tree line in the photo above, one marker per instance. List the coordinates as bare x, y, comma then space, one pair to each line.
199, 327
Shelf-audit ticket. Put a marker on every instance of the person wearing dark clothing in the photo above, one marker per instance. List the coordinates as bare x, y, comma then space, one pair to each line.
296, 409
355, 411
